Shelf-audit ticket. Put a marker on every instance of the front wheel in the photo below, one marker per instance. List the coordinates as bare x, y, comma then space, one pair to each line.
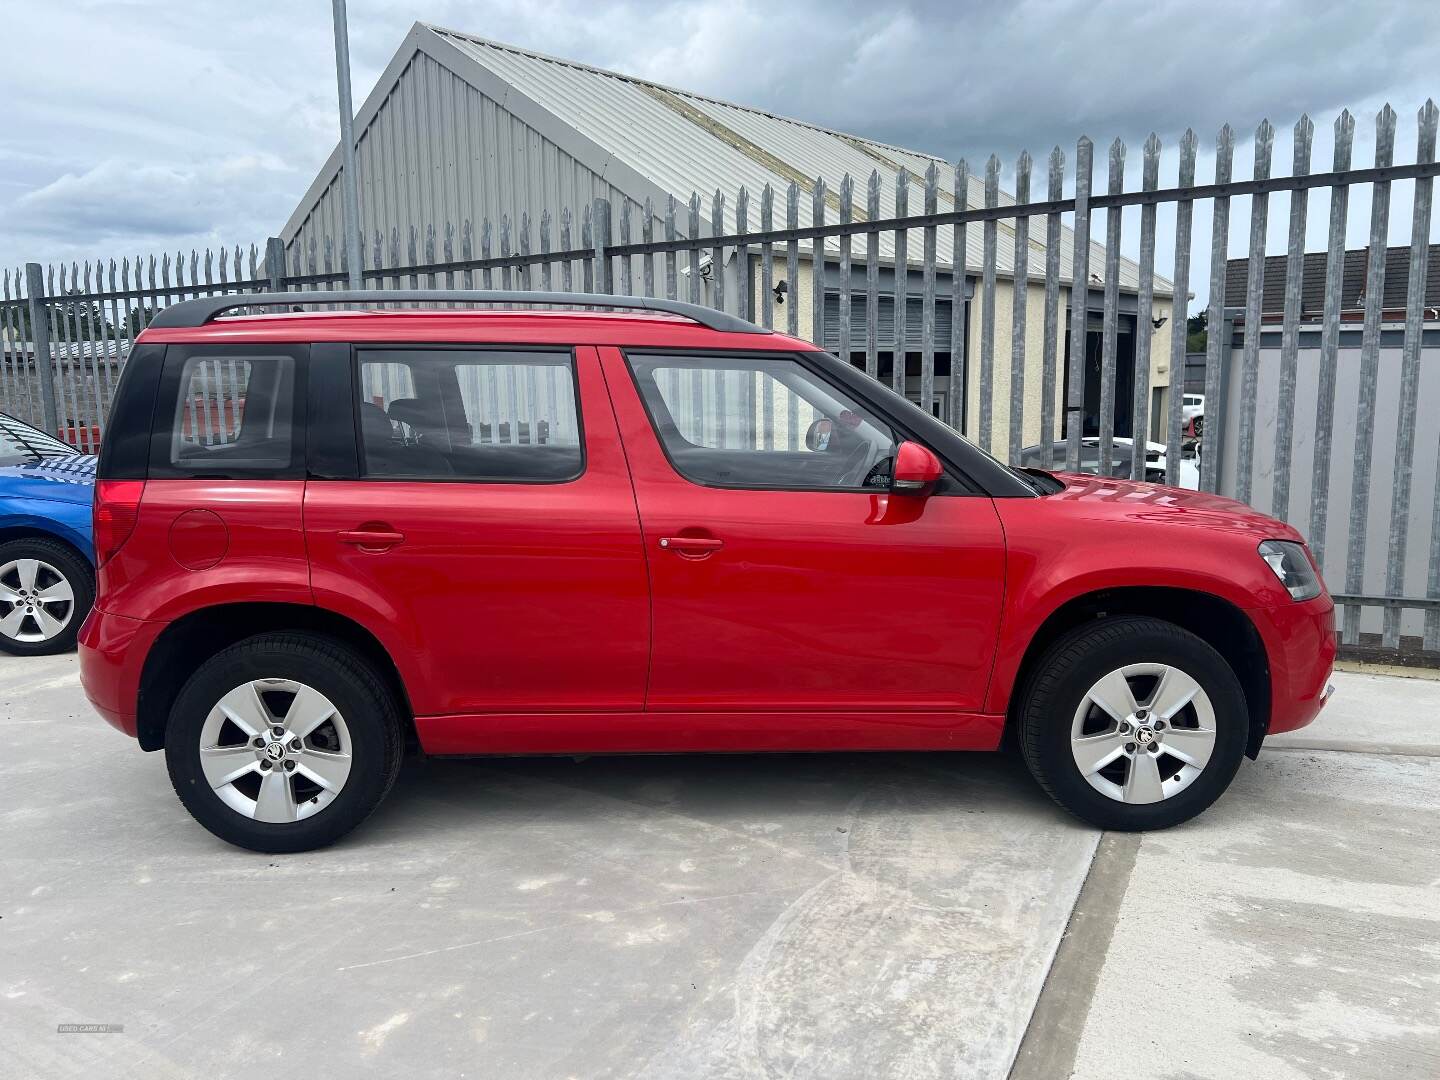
283, 742
1133, 723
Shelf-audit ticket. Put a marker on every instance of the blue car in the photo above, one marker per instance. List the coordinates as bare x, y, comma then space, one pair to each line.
47, 559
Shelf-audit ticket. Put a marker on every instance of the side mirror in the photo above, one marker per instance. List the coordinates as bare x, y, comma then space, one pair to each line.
817, 436
916, 470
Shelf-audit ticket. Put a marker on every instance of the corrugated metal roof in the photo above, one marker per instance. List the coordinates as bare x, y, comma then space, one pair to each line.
685, 142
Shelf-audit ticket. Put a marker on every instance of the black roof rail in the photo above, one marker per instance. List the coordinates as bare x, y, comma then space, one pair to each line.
198, 312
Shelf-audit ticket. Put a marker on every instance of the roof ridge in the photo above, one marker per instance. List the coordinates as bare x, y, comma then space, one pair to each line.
535, 54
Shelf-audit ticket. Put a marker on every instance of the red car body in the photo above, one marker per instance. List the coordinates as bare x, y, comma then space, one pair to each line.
634, 610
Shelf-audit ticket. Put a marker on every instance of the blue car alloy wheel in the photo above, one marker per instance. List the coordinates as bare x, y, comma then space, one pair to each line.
47, 581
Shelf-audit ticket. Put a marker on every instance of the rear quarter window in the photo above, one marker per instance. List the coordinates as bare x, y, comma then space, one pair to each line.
229, 412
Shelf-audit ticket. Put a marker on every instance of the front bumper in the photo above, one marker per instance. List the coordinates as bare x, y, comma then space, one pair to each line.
1300, 641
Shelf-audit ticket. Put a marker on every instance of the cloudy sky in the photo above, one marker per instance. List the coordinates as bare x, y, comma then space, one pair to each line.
135, 126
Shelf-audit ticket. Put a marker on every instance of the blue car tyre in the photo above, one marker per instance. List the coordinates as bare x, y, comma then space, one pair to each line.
46, 590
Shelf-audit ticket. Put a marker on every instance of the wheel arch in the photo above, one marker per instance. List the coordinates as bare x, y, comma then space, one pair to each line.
1219, 623
193, 638
52, 531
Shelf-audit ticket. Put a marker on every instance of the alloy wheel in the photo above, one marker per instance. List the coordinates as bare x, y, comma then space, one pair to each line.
275, 750
1143, 733
37, 602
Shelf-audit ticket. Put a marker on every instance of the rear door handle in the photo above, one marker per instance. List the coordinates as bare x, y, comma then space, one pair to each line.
691, 546
370, 538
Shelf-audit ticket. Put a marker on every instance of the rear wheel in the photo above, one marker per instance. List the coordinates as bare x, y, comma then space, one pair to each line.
283, 742
1133, 723
46, 590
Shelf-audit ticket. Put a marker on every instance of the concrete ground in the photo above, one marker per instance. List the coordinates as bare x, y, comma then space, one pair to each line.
902, 915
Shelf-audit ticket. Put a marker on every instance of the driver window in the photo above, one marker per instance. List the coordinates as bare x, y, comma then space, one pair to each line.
762, 423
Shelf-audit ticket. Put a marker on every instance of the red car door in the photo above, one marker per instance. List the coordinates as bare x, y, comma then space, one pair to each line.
787, 581
491, 541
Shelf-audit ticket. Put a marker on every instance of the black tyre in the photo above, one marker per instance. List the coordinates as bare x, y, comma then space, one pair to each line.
46, 590
283, 742
1199, 427
1133, 723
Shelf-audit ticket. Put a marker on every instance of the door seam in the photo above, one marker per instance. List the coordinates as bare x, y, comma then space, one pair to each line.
639, 524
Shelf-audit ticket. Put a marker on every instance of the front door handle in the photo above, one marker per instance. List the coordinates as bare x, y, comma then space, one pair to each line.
371, 539
691, 547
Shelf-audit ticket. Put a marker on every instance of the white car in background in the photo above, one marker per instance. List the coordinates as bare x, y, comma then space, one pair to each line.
1192, 414
1120, 457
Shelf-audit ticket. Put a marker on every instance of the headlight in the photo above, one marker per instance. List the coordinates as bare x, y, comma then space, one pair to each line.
1293, 567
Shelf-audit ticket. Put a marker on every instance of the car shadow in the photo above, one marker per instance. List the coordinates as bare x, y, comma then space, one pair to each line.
447, 794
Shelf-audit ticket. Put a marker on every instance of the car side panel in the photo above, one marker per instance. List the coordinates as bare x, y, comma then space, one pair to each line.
251, 528
1060, 550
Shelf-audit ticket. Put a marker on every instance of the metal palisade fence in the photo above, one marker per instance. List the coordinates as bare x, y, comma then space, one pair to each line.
1306, 406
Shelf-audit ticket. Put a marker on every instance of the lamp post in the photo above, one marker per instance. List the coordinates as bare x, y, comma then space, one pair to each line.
349, 184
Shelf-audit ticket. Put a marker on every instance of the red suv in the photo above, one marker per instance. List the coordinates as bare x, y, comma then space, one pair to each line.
652, 528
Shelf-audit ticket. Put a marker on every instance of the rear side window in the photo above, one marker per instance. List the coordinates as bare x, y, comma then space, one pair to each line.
228, 413
482, 416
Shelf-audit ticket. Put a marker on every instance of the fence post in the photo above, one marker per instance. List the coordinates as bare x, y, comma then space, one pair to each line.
40, 343
275, 263
600, 235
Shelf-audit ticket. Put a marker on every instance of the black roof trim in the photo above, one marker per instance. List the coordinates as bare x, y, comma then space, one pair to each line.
198, 312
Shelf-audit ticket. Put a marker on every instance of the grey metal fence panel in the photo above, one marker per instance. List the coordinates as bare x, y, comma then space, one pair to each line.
847, 194
1079, 294
743, 303
927, 302
1418, 272
988, 275
902, 280
1369, 371
817, 263
1019, 311
647, 236
1254, 287
1109, 342
1144, 325
717, 252
792, 259
1219, 251
872, 279
767, 264
959, 346
1050, 351
1330, 340
1290, 347
693, 268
